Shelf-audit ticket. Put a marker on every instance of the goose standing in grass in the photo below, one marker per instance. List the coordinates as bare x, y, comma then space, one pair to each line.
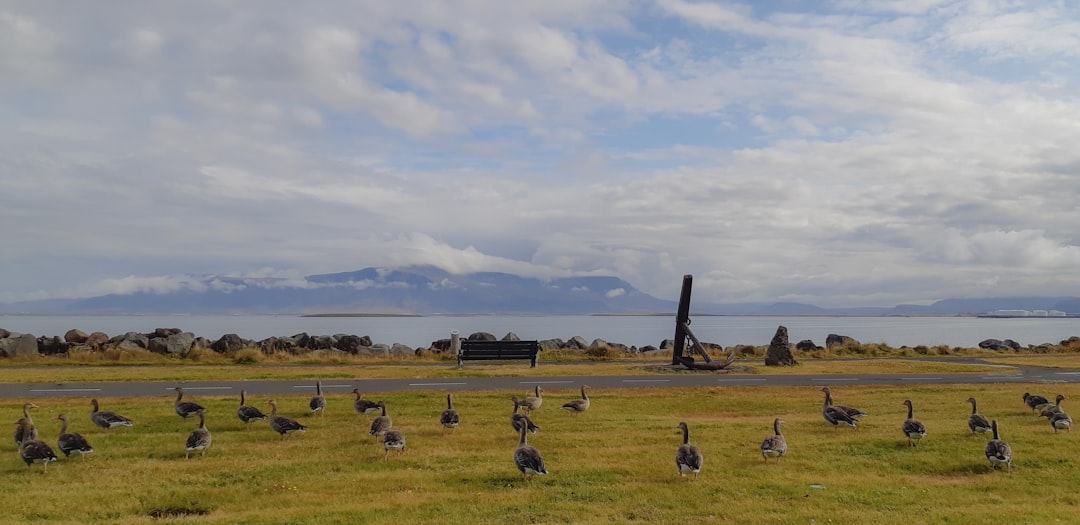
69, 442
527, 458
1055, 408
185, 409
36, 451
1061, 421
364, 406
247, 413
976, 421
1035, 402
317, 403
532, 402
106, 419
26, 430
393, 440
997, 451
835, 415
688, 457
774, 446
519, 420
579, 405
281, 424
200, 439
450, 418
913, 428
854, 413
382, 424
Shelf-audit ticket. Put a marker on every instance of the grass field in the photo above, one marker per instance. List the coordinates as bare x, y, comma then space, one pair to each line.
612, 464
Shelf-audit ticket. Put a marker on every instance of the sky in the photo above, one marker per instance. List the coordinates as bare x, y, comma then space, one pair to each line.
839, 153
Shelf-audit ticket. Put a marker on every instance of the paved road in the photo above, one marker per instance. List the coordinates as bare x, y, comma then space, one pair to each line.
517, 384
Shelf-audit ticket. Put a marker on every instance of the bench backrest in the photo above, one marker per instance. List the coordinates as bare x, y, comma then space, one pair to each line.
491, 350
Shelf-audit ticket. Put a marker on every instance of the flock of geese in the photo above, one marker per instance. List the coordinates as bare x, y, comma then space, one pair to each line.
527, 459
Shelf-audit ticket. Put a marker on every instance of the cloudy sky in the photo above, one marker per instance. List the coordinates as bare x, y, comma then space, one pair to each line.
842, 153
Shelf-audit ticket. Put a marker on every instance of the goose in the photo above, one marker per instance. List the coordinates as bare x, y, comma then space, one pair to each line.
532, 402
976, 421
200, 439
527, 458
281, 424
913, 428
26, 429
1035, 402
247, 413
393, 440
774, 446
382, 424
106, 419
364, 406
579, 405
854, 413
69, 442
317, 403
997, 451
835, 415
449, 418
36, 451
688, 458
185, 409
518, 420
1061, 421
1054, 408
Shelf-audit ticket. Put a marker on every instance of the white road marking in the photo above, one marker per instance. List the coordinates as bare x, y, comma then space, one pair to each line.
922, 378
65, 389
436, 384
542, 382
1067, 373
312, 387
202, 388
732, 380
831, 379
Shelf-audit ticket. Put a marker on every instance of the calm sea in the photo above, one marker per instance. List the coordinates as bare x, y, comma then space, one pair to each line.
630, 330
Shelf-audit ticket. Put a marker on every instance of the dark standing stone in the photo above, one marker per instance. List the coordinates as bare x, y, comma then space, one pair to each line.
779, 353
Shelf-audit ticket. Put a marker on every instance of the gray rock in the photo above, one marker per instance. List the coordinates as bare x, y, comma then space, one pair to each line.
179, 343
510, 336
18, 344
96, 340
399, 350
551, 344
838, 340
577, 343
481, 336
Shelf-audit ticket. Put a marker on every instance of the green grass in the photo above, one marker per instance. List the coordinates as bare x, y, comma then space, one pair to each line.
612, 464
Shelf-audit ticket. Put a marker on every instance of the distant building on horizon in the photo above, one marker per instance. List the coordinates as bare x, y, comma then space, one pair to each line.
1026, 313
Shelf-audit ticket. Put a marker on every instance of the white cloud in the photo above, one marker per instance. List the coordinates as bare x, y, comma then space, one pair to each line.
838, 153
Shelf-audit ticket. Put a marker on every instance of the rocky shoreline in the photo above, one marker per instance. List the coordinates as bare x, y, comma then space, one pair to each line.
177, 342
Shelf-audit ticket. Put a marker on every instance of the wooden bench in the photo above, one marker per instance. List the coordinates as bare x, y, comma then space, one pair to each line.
498, 350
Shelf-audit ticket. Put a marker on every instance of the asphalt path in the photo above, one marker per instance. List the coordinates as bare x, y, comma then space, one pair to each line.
1008, 374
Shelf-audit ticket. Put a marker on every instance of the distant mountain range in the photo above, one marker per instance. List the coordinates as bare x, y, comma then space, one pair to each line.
430, 290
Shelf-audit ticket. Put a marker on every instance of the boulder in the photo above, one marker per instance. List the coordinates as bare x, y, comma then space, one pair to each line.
157, 345
806, 345
441, 345
351, 343
577, 343
52, 345
18, 344
96, 340
481, 336
133, 338
838, 340
179, 343
998, 345
779, 352
4, 333
510, 336
551, 344
228, 343
399, 350
76, 336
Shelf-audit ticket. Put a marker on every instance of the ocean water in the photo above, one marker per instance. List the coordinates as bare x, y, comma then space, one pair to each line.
630, 330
